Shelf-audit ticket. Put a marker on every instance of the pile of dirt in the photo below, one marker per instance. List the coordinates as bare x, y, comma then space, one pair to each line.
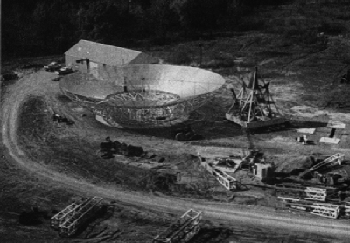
294, 163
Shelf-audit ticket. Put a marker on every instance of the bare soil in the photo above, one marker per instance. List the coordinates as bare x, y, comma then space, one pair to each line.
300, 87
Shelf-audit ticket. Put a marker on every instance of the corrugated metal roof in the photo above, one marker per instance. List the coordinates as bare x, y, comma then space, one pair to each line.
108, 54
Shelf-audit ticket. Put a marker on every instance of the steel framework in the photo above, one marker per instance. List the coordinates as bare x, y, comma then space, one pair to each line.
224, 179
318, 194
141, 117
254, 106
70, 219
347, 209
335, 159
60, 217
183, 230
308, 193
139, 96
326, 210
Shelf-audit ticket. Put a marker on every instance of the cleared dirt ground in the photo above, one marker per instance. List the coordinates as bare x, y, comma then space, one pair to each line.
58, 163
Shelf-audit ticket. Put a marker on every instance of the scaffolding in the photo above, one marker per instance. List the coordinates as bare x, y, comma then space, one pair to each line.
70, 219
307, 193
224, 179
326, 210
183, 230
60, 217
318, 194
254, 106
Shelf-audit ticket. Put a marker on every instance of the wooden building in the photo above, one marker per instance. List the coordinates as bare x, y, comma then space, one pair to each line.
91, 57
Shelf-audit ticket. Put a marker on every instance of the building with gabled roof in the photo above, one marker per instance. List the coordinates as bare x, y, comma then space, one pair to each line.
88, 56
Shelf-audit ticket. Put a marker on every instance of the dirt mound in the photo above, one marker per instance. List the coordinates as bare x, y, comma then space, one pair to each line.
295, 163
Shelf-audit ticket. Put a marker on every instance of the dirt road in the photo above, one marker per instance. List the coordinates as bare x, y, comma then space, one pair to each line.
40, 84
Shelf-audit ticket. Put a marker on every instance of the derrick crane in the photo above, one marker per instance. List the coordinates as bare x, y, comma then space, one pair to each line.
254, 106
334, 160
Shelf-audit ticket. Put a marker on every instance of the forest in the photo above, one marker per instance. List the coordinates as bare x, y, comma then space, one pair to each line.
41, 27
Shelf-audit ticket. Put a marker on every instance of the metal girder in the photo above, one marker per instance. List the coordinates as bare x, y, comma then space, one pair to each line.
182, 230
72, 217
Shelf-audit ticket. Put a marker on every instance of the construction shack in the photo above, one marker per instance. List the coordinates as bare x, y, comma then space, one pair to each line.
263, 170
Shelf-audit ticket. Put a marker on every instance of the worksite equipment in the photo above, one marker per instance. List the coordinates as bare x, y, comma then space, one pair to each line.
307, 193
182, 230
331, 161
60, 217
318, 194
254, 107
70, 219
327, 210
222, 177
347, 210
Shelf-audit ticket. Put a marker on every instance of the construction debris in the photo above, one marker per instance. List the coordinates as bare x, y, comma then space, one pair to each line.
182, 230
70, 219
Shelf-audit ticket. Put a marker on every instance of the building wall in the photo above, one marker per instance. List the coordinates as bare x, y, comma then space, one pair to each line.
80, 66
98, 70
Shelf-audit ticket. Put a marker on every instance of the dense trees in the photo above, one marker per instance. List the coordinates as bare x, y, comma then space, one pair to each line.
41, 27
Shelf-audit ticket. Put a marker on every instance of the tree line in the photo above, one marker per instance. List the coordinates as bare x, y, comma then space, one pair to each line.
42, 27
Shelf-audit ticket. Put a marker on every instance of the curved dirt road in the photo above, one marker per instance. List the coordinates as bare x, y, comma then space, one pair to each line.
40, 84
